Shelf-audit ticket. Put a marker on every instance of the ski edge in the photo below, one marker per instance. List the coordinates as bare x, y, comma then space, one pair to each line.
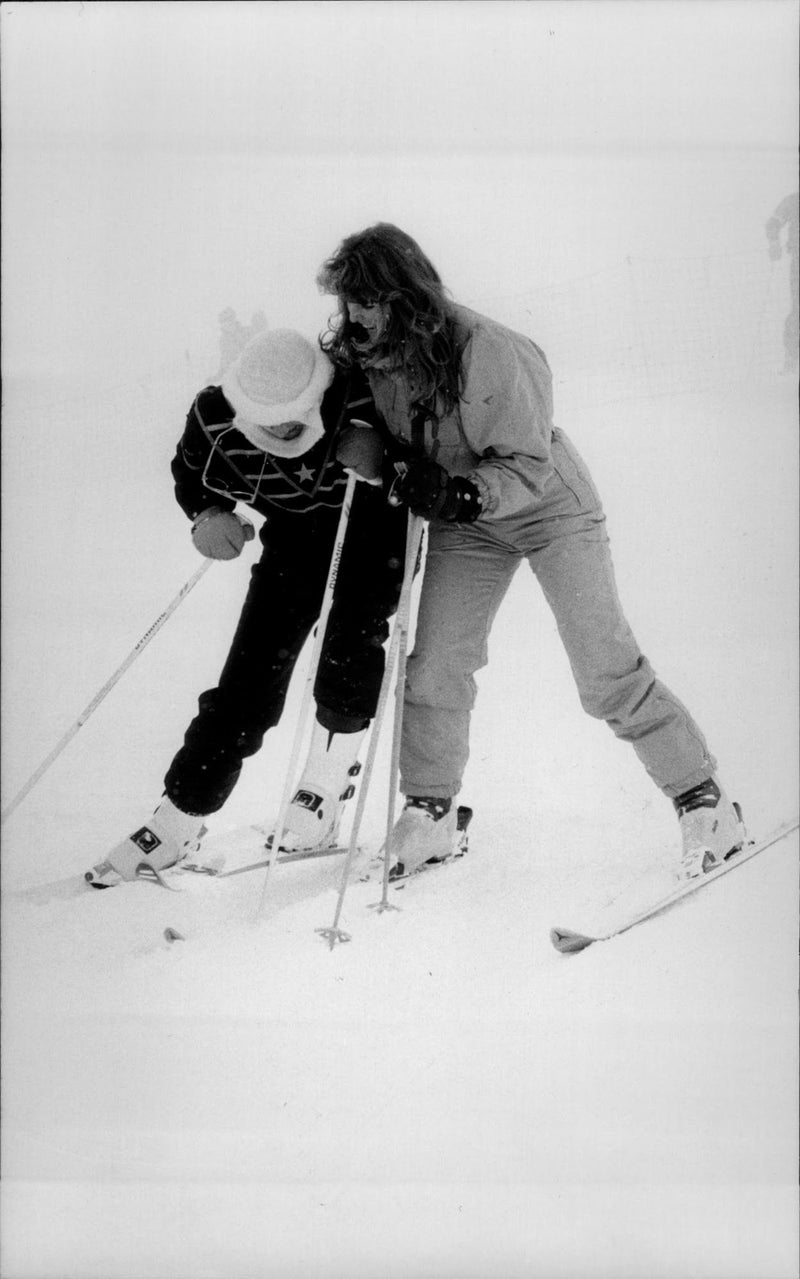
283, 859
569, 941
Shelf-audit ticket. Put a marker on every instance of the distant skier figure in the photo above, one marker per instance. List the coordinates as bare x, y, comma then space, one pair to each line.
269, 437
258, 323
233, 338
785, 220
471, 403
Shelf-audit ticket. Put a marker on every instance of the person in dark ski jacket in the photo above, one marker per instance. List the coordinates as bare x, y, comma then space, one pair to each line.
267, 438
783, 238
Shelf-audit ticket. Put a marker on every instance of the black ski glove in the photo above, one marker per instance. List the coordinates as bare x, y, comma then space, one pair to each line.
429, 490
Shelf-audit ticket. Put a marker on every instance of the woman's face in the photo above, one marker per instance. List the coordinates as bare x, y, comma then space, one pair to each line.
369, 320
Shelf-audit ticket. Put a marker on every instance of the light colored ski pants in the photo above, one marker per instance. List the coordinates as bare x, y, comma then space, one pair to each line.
468, 571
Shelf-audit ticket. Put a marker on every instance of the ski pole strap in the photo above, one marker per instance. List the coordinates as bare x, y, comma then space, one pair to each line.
418, 419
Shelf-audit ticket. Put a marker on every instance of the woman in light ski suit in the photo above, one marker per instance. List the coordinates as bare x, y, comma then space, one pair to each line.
471, 402
270, 438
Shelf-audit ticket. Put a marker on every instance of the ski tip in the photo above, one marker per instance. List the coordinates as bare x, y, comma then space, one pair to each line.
568, 942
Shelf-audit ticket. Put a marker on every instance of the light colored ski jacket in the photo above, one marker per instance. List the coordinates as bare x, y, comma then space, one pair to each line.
501, 433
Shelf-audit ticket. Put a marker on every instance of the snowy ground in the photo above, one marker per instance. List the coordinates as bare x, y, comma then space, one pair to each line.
445, 1095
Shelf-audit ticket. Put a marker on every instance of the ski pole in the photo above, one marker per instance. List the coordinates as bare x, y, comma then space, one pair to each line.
106, 689
415, 527
334, 933
399, 634
322, 623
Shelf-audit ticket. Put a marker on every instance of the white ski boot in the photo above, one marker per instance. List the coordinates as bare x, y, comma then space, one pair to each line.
712, 829
424, 832
166, 839
313, 817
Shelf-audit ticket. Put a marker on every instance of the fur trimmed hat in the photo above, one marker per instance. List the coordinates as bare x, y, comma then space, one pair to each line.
279, 377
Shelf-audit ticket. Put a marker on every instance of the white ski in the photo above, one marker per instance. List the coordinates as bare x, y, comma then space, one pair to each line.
568, 941
283, 858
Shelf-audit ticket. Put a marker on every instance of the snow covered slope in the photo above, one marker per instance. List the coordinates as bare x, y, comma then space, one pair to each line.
444, 1095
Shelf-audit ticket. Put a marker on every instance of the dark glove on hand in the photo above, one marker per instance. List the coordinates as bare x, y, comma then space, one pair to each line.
360, 450
428, 490
220, 535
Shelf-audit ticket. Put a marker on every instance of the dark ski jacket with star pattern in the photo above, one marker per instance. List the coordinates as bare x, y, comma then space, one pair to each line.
215, 465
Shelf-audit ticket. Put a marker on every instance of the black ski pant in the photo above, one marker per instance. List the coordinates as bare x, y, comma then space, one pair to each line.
281, 607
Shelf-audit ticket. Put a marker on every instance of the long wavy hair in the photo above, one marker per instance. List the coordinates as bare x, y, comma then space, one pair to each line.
383, 264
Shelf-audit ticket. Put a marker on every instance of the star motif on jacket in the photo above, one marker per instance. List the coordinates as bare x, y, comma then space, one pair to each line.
304, 475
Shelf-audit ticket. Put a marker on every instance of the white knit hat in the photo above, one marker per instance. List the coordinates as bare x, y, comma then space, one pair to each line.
279, 377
